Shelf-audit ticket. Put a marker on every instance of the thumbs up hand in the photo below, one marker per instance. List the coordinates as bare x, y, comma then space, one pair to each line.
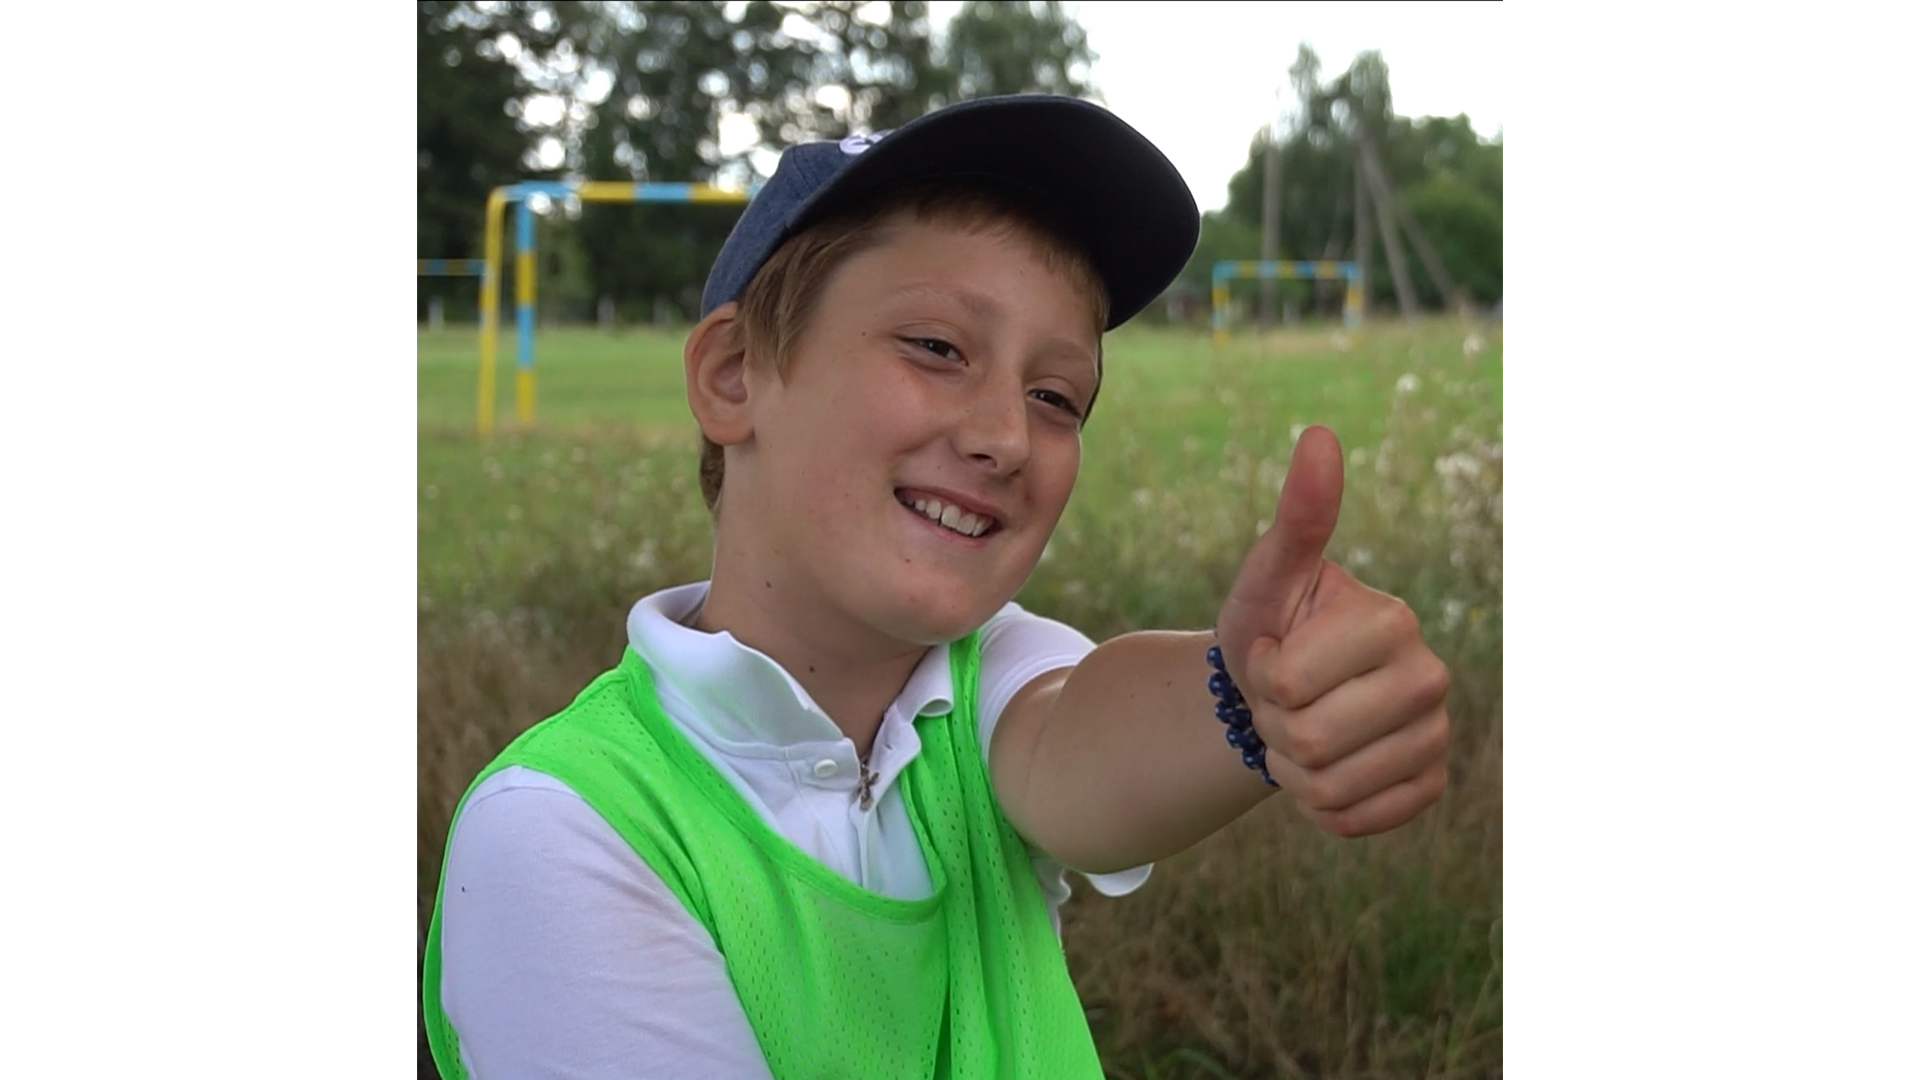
1343, 689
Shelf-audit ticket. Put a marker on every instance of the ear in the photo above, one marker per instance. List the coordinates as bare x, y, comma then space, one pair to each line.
716, 366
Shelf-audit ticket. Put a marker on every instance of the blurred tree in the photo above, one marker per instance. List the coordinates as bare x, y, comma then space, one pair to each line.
1361, 97
1464, 227
1447, 178
660, 81
676, 91
1014, 48
683, 92
870, 66
1363, 109
1223, 235
471, 137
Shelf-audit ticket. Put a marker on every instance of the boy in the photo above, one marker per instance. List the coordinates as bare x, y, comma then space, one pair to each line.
816, 823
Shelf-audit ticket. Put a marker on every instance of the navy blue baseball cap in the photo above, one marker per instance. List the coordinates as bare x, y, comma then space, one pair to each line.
1101, 180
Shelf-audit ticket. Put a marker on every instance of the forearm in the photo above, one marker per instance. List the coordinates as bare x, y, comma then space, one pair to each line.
1129, 764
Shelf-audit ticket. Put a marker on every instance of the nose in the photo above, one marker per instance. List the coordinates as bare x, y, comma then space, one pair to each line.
992, 429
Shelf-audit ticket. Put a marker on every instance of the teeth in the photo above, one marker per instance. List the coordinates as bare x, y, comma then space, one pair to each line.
952, 517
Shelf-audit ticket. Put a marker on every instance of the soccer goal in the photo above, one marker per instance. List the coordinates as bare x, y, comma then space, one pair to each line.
1228, 269
522, 197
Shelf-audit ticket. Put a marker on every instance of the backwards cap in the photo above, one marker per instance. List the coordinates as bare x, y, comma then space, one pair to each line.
1104, 183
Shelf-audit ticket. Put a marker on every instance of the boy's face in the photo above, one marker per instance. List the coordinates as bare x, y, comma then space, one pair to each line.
941, 369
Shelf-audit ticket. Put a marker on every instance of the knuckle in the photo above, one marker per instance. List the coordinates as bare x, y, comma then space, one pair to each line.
1346, 825
1288, 687
1306, 745
1399, 618
1316, 791
1433, 680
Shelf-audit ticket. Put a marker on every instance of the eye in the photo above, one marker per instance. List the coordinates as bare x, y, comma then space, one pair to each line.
1059, 401
937, 347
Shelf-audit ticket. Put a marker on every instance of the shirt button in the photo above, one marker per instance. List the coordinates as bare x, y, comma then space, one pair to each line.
825, 768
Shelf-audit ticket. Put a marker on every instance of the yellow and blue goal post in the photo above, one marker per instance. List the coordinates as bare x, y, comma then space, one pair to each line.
519, 196
1322, 270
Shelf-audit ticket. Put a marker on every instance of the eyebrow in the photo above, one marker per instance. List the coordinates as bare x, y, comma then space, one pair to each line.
976, 302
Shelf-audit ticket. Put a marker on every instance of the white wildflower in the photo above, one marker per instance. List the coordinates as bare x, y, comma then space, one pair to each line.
647, 559
1455, 467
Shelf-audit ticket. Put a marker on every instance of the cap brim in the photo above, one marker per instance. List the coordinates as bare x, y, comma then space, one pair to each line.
1103, 181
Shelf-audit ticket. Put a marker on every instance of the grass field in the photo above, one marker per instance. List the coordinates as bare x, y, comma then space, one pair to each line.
1268, 950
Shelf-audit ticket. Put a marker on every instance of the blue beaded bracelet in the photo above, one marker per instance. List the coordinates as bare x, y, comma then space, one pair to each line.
1233, 712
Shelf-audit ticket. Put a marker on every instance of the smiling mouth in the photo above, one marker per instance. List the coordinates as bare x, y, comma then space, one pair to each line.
948, 516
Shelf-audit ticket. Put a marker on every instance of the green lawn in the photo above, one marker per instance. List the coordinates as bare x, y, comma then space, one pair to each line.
1177, 418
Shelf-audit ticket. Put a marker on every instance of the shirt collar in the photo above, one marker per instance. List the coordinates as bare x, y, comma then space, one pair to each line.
737, 695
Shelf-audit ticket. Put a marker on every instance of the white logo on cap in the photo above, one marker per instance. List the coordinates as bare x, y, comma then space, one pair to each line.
857, 144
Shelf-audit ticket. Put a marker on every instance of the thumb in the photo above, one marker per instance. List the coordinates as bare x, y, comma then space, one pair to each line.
1310, 499
1283, 568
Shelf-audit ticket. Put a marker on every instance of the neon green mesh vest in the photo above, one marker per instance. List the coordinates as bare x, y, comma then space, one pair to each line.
836, 981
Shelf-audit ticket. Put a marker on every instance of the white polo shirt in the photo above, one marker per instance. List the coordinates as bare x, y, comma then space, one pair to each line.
564, 955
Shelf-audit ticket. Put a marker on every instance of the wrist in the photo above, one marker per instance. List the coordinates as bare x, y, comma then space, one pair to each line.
1232, 710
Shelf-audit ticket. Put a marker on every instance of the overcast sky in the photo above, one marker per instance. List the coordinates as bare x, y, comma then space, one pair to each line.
1200, 78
